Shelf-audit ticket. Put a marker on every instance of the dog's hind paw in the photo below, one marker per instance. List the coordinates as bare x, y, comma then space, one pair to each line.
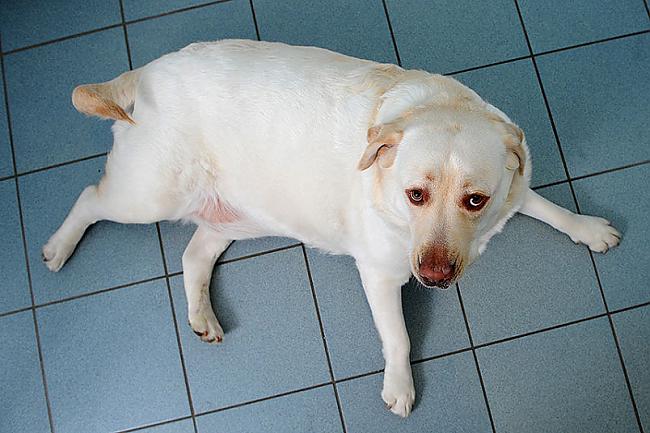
597, 233
205, 325
55, 253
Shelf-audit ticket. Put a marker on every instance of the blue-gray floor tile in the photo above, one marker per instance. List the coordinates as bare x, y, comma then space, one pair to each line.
14, 287
24, 23
6, 160
176, 236
530, 277
356, 28
46, 128
565, 380
23, 408
513, 88
111, 360
136, 9
108, 255
621, 197
442, 36
151, 39
599, 98
184, 426
433, 318
272, 340
312, 411
633, 331
448, 399
557, 23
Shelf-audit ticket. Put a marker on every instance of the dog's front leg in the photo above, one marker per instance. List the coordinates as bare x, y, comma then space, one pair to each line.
384, 295
597, 233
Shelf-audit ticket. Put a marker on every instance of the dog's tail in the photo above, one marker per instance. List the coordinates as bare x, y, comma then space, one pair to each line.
108, 100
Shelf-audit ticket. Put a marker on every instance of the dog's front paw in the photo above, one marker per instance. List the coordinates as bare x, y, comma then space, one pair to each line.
597, 233
55, 253
398, 392
204, 323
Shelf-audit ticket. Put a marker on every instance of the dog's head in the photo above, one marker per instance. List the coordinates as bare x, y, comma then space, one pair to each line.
452, 168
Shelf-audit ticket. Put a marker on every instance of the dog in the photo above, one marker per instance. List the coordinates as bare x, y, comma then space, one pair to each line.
408, 172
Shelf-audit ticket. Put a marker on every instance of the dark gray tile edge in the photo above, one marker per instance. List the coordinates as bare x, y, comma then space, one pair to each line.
476, 364
25, 250
322, 333
577, 205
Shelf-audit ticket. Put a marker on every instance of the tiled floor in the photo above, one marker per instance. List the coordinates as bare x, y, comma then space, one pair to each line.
541, 335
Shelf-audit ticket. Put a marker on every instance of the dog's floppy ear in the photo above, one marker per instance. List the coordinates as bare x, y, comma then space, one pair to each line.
382, 146
515, 142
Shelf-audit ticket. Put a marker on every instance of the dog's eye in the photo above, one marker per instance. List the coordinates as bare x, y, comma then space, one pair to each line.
475, 202
417, 196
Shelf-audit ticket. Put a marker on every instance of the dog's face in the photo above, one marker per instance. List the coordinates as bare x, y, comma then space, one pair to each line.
454, 176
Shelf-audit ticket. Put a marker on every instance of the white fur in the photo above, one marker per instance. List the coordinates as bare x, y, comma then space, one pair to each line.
269, 135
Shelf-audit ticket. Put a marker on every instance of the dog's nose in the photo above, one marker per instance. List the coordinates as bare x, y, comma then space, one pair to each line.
436, 275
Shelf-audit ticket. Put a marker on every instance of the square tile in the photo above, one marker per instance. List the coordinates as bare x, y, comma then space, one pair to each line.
14, 287
513, 88
151, 39
46, 128
557, 23
633, 331
530, 277
358, 28
625, 270
135, 9
599, 98
312, 411
433, 317
448, 399
23, 408
184, 426
26, 23
6, 161
108, 255
177, 235
443, 36
272, 343
565, 380
112, 360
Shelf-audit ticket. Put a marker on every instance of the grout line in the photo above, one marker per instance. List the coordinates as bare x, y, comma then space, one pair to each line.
10, 312
176, 11
577, 204
598, 173
126, 35
322, 333
61, 39
25, 250
257, 29
176, 329
478, 368
61, 164
392, 33
647, 9
475, 68
585, 44
98, 292
259, 400
157, 424
259, 253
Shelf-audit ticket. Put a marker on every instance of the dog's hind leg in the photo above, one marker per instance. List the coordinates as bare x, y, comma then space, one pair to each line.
199, 258
107, 201
597, 233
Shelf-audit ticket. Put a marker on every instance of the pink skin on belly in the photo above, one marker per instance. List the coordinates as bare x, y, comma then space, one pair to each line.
215, 211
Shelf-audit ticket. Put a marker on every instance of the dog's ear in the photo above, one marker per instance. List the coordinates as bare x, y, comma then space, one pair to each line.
515, 142
382, 146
